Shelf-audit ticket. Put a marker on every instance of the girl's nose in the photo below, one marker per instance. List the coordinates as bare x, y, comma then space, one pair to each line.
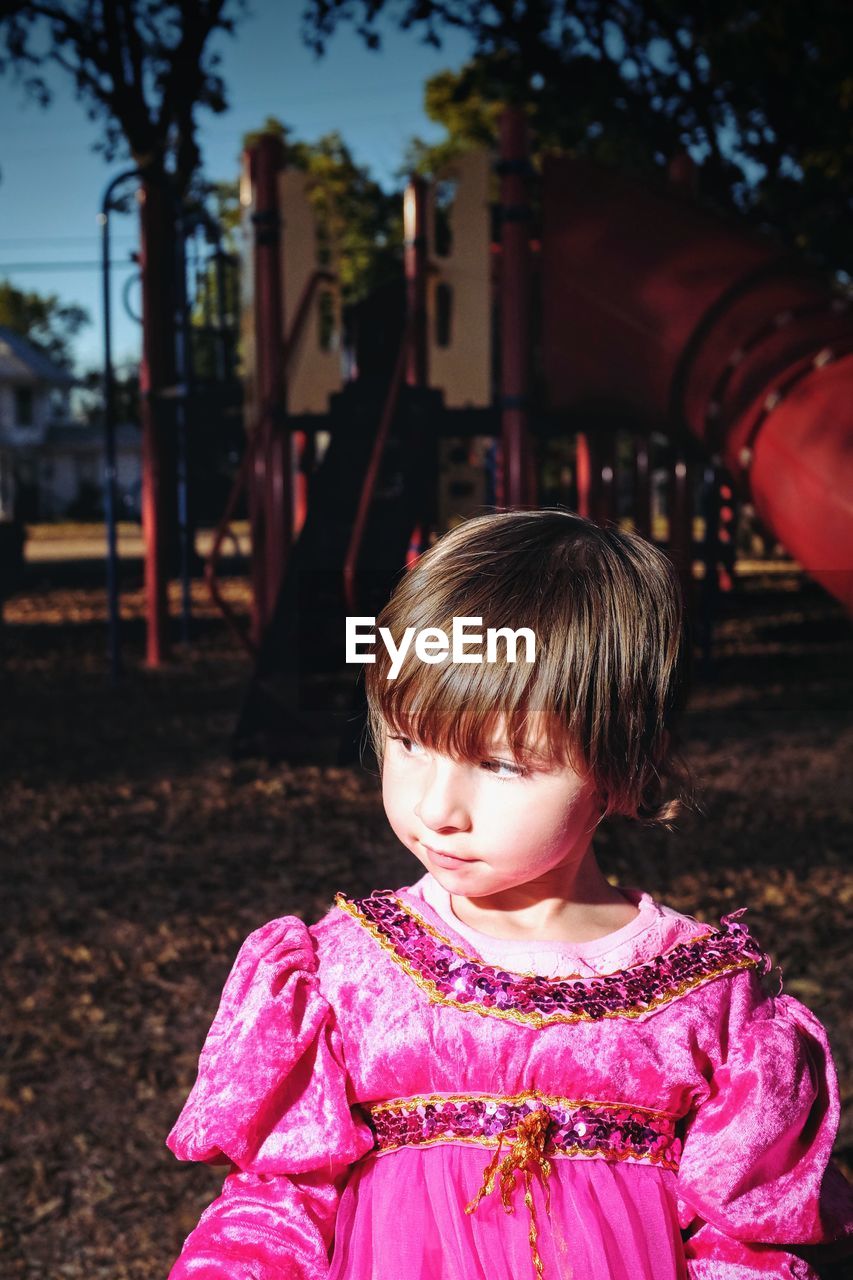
443, 803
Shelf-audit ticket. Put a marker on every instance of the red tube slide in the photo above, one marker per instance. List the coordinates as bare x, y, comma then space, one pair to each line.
660, 312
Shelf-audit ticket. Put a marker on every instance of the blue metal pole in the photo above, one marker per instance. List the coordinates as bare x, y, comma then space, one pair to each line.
110, 432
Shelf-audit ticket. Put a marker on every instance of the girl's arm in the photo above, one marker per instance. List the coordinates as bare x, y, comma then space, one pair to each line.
266, 1227
758, 1194
271, 1099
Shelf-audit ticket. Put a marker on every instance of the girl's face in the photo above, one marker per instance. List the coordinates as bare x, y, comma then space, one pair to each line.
489, 827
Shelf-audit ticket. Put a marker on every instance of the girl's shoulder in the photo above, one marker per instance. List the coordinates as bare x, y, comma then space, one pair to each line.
678, 926
341, 943
288, 943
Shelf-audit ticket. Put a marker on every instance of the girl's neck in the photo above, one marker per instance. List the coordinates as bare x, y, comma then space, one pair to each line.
594, 910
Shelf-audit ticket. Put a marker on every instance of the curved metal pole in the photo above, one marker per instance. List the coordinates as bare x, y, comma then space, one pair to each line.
110, 430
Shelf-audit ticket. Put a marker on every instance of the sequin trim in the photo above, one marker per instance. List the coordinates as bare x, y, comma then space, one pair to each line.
578, 1128
449, 976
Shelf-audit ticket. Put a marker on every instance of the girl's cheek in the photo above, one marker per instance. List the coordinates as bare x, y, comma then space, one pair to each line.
394, 783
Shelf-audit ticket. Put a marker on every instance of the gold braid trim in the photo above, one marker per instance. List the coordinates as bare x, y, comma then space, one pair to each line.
527, 1153
533, 1019
341, 900
528, 1095
564, 1153
527, 1148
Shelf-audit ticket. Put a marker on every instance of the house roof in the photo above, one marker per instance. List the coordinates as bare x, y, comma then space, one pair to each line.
21, 361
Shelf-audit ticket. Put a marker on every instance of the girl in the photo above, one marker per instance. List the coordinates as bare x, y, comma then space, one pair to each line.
512, 1068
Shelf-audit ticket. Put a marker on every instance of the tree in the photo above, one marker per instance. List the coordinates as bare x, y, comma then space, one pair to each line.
90, 394
43, 320
358, 222
356, 219
359, 226
470, 119
761, 94
142, 67
139, 66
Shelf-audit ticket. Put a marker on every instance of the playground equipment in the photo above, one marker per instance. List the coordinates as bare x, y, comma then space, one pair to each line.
660, 313
12, 531
335, 535
658, 321
184, 267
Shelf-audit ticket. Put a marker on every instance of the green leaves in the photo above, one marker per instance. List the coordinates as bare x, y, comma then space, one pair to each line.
138, 66
45, 321
760, 95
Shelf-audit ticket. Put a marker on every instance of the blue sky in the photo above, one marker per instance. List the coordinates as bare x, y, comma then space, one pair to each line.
52, 182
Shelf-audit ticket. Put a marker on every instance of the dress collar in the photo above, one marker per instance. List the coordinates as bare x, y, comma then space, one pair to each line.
428, 891
450, 975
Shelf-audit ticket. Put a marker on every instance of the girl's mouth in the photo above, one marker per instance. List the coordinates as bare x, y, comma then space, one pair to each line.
448, 860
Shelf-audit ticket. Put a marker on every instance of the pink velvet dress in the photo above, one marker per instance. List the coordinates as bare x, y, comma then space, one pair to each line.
400, 1097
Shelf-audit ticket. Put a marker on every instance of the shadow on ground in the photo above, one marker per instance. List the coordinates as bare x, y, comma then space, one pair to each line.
137, 856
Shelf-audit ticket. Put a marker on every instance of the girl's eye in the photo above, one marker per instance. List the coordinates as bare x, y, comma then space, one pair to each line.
500, 769
510, 770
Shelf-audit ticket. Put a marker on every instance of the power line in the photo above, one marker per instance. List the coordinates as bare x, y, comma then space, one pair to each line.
379, 89
9, 241
65, 266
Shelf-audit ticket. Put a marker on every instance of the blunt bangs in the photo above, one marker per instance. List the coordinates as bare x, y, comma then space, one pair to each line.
463, 710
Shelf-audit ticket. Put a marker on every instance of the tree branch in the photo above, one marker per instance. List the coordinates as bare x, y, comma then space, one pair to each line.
134, 47
699, 98
127, 100
185, 76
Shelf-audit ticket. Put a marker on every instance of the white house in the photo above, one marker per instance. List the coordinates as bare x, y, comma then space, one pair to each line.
51, 464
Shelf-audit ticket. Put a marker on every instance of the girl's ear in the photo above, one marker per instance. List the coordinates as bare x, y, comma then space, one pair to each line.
600, 802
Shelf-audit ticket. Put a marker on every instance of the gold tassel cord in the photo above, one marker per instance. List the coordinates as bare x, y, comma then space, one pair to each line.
526, 1153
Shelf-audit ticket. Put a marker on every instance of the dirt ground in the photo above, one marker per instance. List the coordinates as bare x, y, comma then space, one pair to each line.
137, 855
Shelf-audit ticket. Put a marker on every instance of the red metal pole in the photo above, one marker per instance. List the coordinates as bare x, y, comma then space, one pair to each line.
515, 310
415, 257
681, 526
415, 340
271, 495
604, 491
643, 484
304, 450
595, 464
583, 474
156, 371
304, 443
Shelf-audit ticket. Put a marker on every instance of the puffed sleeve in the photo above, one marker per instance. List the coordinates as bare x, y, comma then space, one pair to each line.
271, 1100
758, 1195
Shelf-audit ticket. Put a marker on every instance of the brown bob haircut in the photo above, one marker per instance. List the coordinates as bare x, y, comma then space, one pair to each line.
609, 677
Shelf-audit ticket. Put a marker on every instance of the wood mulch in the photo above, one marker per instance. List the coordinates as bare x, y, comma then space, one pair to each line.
137, 855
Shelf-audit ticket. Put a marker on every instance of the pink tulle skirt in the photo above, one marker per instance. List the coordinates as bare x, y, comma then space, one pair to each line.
402, 1215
